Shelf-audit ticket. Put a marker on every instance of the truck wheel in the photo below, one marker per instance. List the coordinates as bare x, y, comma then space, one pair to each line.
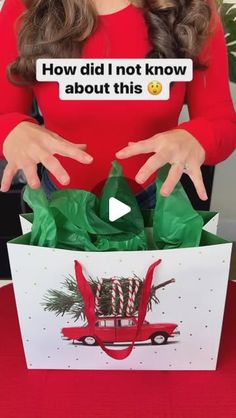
159, 338
89, 340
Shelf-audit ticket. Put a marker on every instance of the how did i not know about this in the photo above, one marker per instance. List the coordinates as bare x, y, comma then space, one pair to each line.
109, 69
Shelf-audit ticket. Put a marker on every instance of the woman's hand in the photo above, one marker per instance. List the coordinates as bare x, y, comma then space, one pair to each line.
29, 144
177, 147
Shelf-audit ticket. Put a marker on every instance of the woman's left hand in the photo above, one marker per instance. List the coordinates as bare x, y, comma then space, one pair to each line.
177, 147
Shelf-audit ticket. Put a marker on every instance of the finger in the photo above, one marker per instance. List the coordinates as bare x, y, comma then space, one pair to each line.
30, 171
67, 149
7, 178
136, 148
174, 175
81, 146
196, 176
151, 166
52, 164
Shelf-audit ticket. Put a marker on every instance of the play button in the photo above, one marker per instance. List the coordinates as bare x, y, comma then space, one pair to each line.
117, 204
117, 209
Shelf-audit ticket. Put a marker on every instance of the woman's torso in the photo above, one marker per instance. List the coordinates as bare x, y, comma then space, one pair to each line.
104, 125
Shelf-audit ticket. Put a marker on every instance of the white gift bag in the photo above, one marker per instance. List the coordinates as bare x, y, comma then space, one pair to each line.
182, 326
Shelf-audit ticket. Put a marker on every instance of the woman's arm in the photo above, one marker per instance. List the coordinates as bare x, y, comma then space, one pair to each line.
23, 143
212, 116
16, 102
210, 135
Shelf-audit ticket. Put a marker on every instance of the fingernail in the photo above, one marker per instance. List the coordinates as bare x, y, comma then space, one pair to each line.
88, 158
65, 180
140, 179
164, 193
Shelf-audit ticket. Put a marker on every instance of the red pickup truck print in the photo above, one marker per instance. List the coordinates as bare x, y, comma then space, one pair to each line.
118, 329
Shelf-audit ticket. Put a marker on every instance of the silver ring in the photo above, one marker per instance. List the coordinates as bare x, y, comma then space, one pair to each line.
185, 165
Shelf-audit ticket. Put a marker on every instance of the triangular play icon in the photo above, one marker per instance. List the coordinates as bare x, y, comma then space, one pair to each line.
117, 209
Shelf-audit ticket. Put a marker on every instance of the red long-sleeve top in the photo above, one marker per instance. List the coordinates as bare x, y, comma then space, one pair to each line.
107, 126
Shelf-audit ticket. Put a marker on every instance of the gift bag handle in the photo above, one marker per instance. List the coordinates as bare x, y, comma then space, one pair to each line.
89, 309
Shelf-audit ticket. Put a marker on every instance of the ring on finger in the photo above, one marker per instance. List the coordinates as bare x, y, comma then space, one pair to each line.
185, 165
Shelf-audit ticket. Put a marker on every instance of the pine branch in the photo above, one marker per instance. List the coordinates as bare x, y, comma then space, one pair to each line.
58, 302
164, 284
71, 301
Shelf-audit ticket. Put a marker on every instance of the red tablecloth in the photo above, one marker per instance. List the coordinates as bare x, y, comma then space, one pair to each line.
107, 394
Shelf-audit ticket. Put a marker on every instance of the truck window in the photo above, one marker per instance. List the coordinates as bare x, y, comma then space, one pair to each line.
127, 322
105, 323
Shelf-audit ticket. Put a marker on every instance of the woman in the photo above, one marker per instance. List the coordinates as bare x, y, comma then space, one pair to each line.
81, 138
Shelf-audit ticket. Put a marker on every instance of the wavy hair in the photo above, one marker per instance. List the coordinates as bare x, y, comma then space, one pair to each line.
59, 28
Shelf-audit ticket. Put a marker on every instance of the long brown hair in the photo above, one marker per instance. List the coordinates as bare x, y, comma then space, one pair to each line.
59, 28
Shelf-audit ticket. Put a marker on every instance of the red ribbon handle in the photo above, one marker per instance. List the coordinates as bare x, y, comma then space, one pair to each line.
89, 309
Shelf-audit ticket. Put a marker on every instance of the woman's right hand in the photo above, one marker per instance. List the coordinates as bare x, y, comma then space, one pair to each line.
29, 144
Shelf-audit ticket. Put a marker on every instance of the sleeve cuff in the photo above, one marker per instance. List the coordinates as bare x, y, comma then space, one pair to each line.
201, 129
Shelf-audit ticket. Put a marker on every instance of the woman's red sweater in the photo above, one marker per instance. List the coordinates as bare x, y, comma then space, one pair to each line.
107, 126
